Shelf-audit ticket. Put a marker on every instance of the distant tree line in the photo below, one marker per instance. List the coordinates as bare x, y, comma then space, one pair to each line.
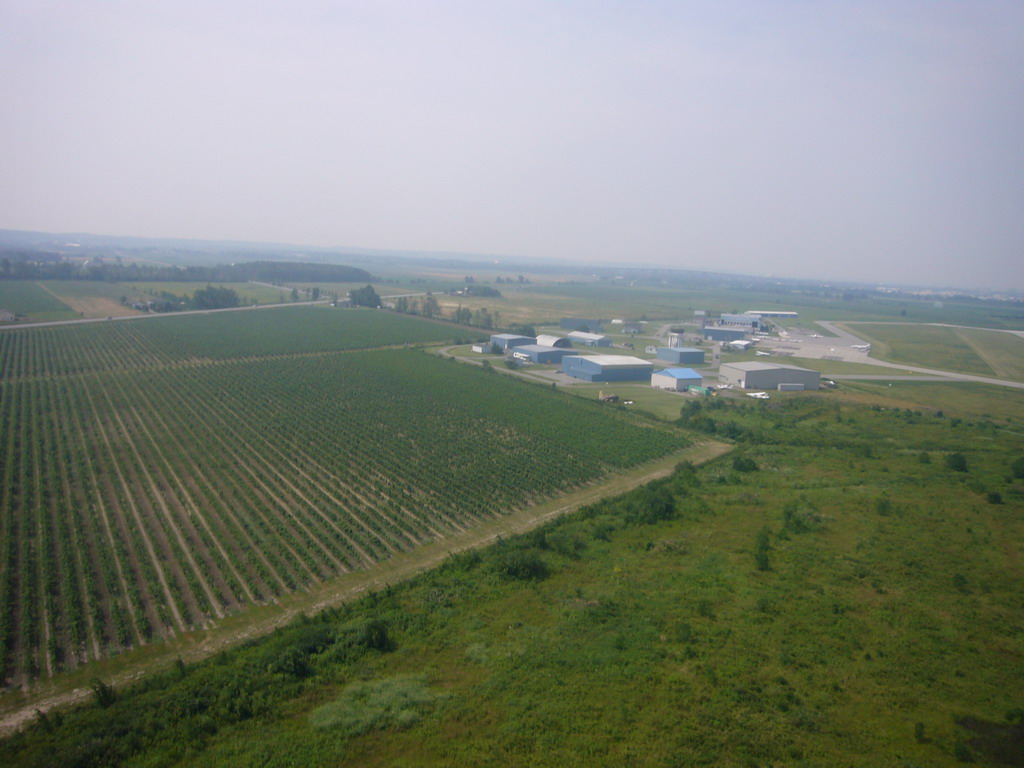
21, 265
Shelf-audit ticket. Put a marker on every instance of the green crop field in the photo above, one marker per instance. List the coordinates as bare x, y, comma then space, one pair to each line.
25, 297
171, 339
161, 474
838, 591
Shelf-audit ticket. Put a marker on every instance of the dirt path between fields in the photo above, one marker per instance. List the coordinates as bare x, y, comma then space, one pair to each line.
19, 708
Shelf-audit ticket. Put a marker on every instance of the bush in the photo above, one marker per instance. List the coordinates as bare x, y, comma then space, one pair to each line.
744, 464
1017, 468
522, 565
957, 462
374, 705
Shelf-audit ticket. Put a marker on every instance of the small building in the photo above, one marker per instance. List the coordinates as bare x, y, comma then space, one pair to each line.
483, 349
507, 341
554, 341
541, 354
676, 379
755, 375
677, 339
700, 316
632, 326
741, 346
607, 367
580, 324
688, 355
719, 333
6, 316
589, 339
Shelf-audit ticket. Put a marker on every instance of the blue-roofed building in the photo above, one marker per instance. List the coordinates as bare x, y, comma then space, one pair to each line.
607, 367
506, 341
690, 355
539, 353
676, 379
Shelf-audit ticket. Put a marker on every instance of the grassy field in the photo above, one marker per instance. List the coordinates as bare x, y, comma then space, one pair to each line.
1002, 352
29, 298
833, 593
982, 352
92, 299
249, 293
955, 399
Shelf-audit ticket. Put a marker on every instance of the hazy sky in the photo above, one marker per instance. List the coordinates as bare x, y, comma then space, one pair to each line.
879, 141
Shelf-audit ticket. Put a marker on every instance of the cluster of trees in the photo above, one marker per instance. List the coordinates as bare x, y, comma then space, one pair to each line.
364, 297
214, 297
21, 266
481, 318
429, 307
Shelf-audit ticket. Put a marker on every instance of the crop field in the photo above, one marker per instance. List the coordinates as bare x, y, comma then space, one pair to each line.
832, 593
27, 297
160, 474
198, 338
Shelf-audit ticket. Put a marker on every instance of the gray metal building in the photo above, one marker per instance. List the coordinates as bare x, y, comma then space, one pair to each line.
768, 376
506, 341
589, 339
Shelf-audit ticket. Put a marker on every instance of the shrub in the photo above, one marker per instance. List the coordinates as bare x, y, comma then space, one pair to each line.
375, 704
957, 462
522, 565
744, 464
1017, 468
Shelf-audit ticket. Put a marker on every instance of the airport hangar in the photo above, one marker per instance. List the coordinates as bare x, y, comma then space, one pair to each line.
607, 368
676, 379
768, 376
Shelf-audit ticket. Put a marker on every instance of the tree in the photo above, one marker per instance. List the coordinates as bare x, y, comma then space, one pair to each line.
1017, 468
430, 305
295, 294
365, 297
315, 293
